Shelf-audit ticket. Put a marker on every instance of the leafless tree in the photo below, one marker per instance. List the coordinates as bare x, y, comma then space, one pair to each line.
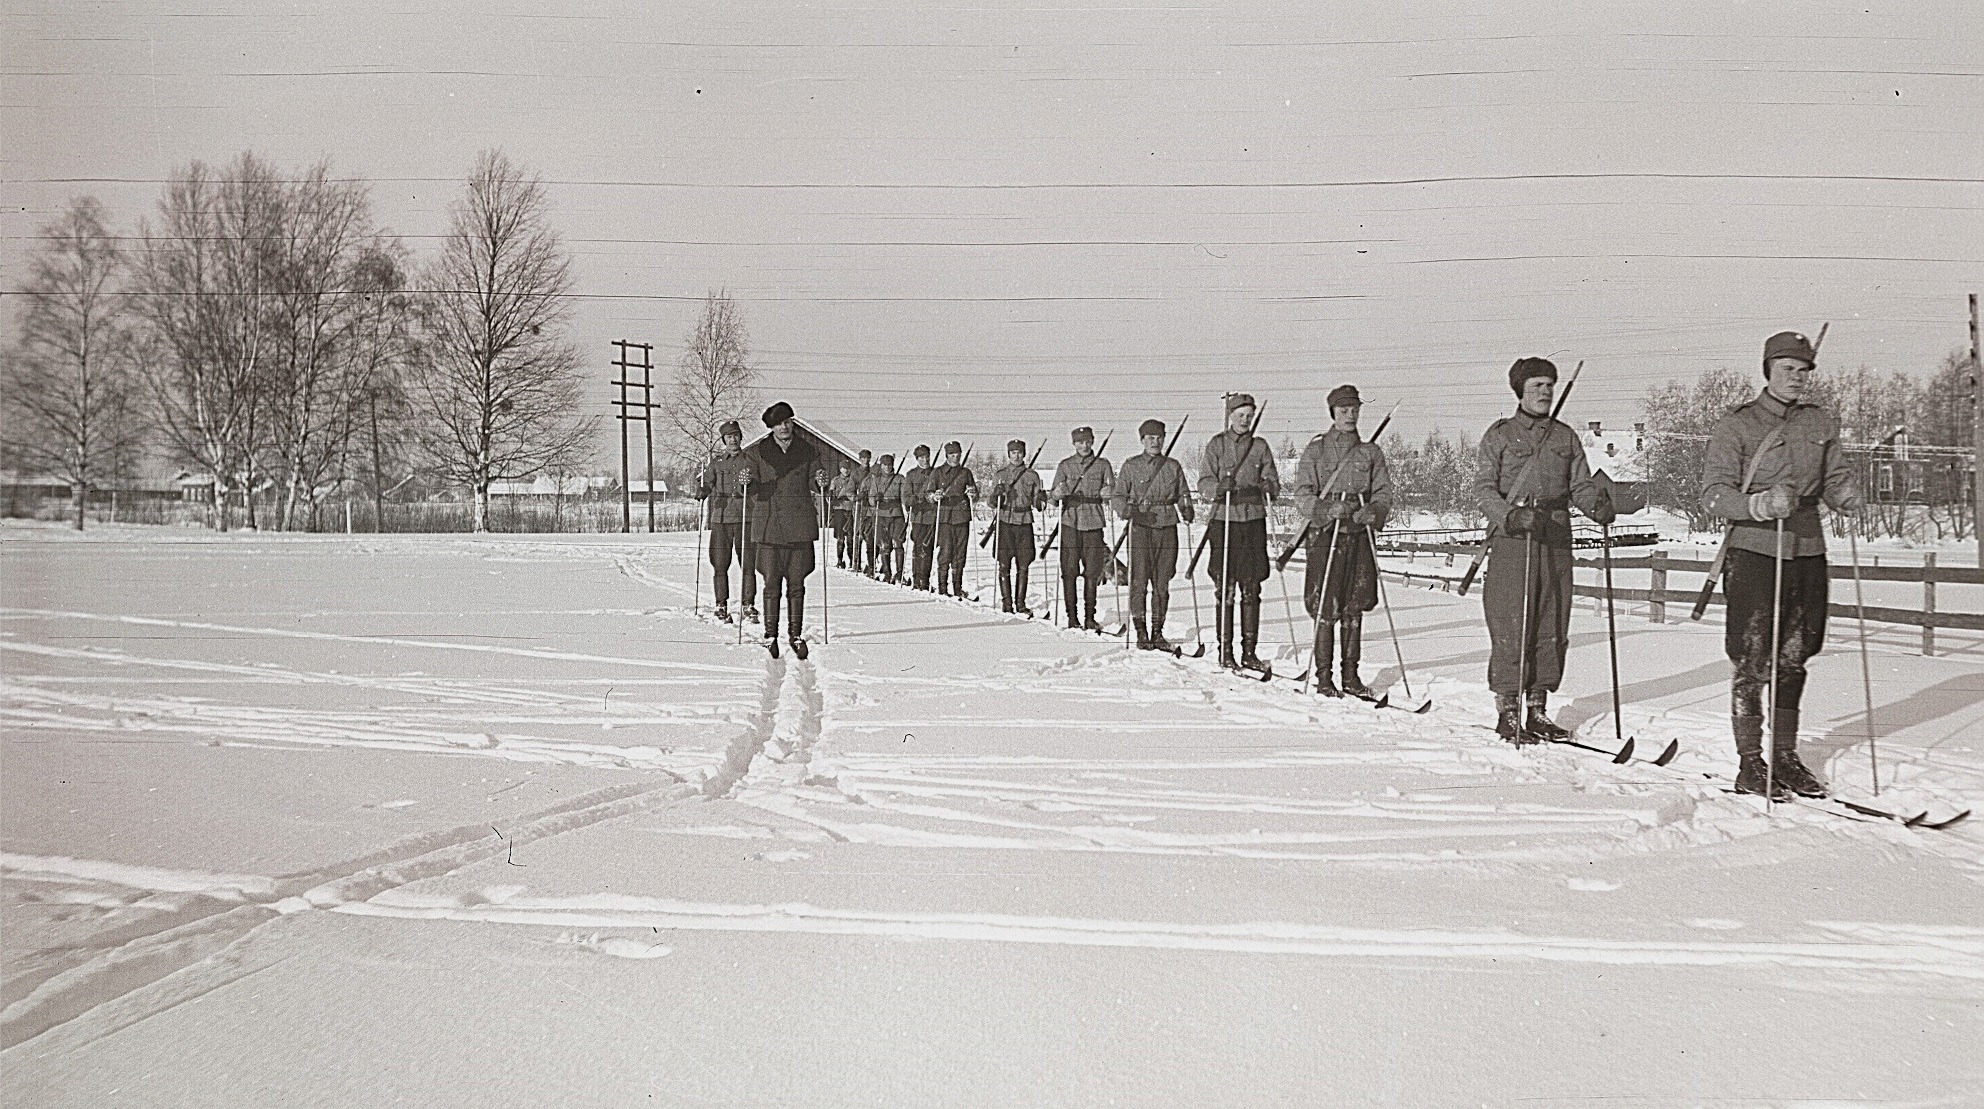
204, 275
714, 381
68, 404
1679, 417
498, 385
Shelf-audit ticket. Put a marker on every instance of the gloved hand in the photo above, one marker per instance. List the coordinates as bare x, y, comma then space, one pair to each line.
1340, 509
1223, 489
1774, 503
1603, 513
1186, 511
819, 479
1363, 517
1850, 505
744, 478
1520, 521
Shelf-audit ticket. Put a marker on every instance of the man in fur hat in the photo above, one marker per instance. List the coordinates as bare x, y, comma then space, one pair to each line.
1531, 470
1344, 491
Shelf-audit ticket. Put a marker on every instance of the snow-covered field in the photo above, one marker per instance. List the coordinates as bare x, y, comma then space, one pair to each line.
482, 821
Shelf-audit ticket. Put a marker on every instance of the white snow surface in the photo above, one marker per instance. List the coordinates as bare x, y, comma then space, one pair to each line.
478, 821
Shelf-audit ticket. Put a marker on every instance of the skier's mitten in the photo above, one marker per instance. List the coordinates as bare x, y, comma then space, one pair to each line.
1520, 521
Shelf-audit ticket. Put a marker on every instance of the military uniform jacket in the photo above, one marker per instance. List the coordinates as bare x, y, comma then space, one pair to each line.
783, 510
718, 483
842, 489
885, 494
955, 486
917, 485
1150, 490
1799, 446
1560, 478
1250, 463
1081, 487
1364, 479
1016, 493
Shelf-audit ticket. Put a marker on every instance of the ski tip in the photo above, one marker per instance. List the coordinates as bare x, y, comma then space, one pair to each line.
1941, 824
1384, 702
1667, 756
1423, 709
1625, 752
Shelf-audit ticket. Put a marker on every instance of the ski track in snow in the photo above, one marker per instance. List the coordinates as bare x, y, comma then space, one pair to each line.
809, 748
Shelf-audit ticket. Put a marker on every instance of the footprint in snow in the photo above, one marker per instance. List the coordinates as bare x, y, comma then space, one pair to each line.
1591, 885
782, 856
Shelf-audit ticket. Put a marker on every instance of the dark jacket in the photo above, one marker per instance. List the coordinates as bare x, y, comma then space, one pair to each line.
783, 510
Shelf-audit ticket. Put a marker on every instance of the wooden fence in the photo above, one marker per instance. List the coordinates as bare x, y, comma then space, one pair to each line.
1659, 594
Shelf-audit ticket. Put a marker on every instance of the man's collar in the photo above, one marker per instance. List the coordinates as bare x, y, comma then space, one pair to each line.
1773, 404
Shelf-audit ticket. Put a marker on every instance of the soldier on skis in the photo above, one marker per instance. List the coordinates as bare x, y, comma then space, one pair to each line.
1237, 475
840, 496
917, 486
781, 475
885, 501
718, 485
1770, 464
1082, 486
1016, 494
864, 517
1531, 470
1152, 494
1344, 491
953, 492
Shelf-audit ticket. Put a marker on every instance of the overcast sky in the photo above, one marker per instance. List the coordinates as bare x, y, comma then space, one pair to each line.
979, 221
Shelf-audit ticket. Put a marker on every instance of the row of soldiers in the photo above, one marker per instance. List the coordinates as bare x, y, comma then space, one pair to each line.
1769, 465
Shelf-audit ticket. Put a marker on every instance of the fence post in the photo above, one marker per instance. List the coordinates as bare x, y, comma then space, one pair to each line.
1929, 603
1656, 608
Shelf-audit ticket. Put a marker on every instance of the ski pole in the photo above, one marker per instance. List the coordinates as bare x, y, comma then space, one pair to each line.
1522, 638
696, 598
1521, 486
1866, 673
1227, 593
1198, 622
1385, 596
987, 537
826, 636
1776, 618
1166, 454
1288, 609
1612, 635
743, 539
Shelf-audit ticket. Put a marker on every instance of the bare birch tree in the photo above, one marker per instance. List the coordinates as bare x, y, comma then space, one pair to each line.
69, 412
498, 385
713, 382
204, 274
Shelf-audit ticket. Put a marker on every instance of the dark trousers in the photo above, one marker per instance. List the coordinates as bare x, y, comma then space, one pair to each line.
1748, 582
1524, 655
864, 532
1012, 549
785, 566
727, 542
1344, 554
953, 544
889, 531
843, 521
1083, 555
1153, 563
922, 542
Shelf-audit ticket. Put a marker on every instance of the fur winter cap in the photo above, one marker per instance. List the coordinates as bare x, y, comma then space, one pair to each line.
1526, 368
778, 414
1150, 427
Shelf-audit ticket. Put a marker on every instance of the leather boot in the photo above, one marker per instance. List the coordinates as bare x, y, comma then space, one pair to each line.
1539, 723
1508, 720
1752, 774
1250, 633
1223, 619
1143, 633
1323, 660
1353, 652
1068, 604
1789, 770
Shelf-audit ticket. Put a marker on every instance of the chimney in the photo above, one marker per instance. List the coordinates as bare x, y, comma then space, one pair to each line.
1593, 425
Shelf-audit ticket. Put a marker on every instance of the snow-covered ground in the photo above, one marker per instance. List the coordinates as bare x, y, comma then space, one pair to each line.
475, 821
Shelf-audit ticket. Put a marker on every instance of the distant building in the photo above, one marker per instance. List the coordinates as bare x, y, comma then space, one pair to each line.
544, 487
1614, 451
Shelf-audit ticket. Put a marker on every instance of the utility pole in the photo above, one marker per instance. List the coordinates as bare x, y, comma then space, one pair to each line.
1976, 437
378, 470
626, 414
